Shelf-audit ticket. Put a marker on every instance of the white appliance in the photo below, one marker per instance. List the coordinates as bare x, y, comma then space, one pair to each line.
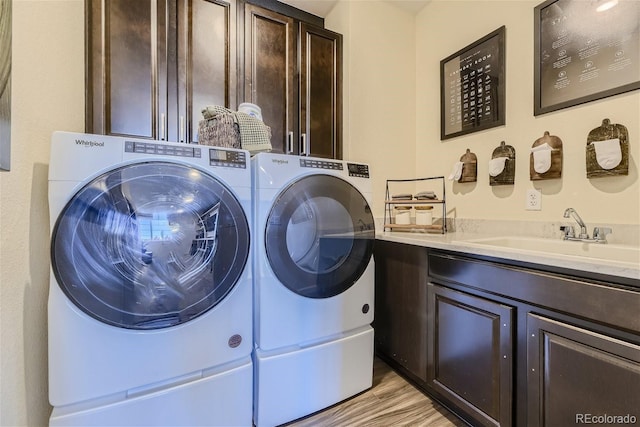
150, 299
313, 285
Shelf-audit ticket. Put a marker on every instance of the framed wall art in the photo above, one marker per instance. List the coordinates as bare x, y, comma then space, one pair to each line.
472, 87
584, 50
5, 85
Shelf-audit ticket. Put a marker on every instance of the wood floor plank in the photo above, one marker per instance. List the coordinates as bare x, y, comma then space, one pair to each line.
391, 401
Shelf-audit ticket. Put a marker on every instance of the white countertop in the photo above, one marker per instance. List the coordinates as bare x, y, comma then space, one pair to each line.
458, 241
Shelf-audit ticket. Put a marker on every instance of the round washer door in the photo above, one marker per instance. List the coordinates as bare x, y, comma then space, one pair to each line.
319, 236
150, 245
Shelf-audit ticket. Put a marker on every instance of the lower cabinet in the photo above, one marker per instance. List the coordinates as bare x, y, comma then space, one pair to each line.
469, 360
503, 345
577, 376
401, 306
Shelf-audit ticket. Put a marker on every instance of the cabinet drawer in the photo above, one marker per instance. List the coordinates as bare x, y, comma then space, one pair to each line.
597, 301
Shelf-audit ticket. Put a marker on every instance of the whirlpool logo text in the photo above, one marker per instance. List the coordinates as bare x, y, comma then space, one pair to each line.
86, 143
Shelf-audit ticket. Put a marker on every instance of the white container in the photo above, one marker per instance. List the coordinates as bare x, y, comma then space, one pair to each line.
403, 215
251, 109
424, 215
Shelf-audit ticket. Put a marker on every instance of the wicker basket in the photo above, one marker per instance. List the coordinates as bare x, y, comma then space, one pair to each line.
234, 129
221, 130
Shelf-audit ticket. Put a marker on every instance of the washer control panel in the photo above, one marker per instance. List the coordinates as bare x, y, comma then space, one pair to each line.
217, 156
162, 149
227, 158
359, 170
321, 164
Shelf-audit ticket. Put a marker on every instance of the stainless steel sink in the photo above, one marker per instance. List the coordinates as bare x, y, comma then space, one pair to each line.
608, 252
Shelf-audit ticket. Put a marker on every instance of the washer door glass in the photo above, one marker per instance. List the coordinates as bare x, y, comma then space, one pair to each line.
319, 236
150, 245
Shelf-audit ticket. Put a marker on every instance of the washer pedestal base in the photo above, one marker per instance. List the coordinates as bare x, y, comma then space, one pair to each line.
221, 399
293, 384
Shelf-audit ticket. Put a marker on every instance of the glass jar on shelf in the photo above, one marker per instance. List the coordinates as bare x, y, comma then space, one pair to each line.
402, 215
424, 215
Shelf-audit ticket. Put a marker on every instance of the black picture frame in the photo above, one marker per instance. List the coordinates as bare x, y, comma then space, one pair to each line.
472, 87
5, 84
581, 54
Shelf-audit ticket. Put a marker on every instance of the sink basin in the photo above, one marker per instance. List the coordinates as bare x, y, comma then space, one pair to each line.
609, 252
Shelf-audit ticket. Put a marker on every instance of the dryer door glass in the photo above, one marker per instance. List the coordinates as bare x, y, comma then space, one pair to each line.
319, 236
150, 245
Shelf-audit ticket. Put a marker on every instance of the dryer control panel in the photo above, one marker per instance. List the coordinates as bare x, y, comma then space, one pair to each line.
358, 169
227, 158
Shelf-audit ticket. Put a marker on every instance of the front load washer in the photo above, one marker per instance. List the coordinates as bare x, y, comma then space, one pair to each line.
150, 299
313, 284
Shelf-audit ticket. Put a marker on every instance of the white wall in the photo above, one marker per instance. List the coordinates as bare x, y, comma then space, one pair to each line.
379, 95
381, 88
47, 95
445, 26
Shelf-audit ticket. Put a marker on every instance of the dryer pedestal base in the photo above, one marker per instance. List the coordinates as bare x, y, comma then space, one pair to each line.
221, 399
297, 383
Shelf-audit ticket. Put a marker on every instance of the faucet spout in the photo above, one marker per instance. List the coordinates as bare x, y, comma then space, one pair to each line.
583, 228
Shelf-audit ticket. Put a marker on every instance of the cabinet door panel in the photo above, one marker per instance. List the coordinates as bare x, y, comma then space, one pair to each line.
207, 67
470, 354
133, 62
153, 64
401, 305
270, 47
321, 91
575, 373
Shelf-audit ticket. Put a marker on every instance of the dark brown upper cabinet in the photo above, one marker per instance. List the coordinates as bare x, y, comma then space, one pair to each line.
270, 72
153, 64
320, 92
293, 71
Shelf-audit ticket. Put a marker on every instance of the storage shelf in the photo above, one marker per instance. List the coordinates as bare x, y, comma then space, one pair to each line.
414, 202
413, 227
390, 203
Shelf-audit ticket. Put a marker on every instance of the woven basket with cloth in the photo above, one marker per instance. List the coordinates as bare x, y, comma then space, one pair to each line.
223, 127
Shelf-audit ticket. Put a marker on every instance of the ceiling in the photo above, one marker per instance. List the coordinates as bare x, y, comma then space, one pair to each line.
323, 7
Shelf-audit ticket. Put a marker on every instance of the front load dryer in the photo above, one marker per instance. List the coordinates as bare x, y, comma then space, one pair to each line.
150, 299
313, 284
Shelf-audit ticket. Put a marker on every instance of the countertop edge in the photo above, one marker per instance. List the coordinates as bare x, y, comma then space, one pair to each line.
455, 242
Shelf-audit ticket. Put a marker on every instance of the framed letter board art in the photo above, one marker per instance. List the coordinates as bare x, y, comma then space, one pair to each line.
584, 50
472, 87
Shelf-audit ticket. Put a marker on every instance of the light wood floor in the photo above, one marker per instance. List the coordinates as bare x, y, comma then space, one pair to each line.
391, 402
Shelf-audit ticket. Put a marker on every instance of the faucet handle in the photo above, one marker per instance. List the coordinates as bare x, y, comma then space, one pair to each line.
568, 231
600, 233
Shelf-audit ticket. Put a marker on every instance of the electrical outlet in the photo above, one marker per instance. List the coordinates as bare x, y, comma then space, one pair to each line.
533, 201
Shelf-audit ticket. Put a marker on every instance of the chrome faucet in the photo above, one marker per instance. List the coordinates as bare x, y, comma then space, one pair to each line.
599, 233
583, 228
